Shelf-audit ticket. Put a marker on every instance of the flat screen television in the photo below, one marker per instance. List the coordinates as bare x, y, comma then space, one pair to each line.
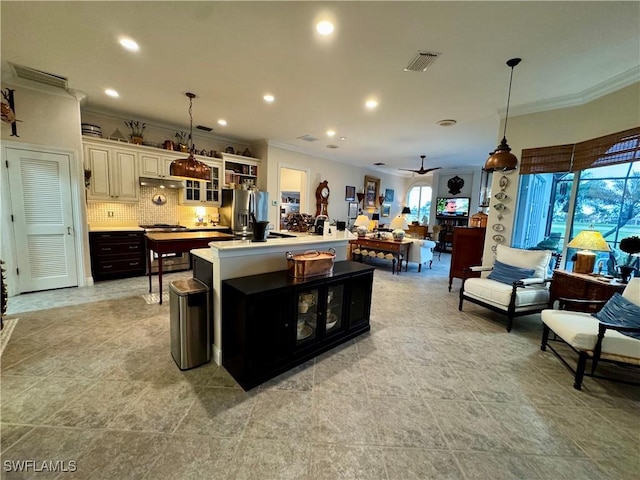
451, 207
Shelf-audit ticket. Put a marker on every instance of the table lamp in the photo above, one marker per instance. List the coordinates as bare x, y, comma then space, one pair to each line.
362, 225
587, 241
375, 218
398, 227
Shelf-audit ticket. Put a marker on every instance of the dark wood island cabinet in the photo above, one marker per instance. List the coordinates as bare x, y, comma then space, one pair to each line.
273, 322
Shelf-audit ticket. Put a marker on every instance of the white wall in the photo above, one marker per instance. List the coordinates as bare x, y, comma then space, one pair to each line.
338, 176
611, 113
50, 118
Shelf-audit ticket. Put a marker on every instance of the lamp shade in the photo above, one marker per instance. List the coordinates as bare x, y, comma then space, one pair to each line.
190, 169
399, 223
375, 216
590, 240
406, 210
587, 241
362, 221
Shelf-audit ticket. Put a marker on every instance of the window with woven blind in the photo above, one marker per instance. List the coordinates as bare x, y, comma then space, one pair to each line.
546, 159
611, 149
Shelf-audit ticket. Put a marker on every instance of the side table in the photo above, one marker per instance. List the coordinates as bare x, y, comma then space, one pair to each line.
582, 286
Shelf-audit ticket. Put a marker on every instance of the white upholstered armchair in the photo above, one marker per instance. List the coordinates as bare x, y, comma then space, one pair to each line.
516, 285
612, 335
421, 252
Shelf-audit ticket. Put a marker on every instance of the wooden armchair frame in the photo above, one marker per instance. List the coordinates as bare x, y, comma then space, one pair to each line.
594, 355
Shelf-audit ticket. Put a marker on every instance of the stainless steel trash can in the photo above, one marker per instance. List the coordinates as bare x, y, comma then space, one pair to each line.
190, 331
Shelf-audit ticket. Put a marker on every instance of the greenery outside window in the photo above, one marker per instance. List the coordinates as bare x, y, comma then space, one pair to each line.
569, 188
419, 202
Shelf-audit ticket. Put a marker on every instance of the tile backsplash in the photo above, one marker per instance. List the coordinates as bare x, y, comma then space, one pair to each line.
145, 212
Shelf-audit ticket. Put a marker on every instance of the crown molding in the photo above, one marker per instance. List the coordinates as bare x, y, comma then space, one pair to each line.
590, 94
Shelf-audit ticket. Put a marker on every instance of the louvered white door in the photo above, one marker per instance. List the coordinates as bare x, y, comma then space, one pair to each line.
40, 187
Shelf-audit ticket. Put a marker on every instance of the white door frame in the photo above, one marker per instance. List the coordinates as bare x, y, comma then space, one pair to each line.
304, 191
78, 208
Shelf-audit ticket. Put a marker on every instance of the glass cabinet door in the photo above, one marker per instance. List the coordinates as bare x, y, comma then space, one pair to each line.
307, 316
334, 303
192, 190
212, 188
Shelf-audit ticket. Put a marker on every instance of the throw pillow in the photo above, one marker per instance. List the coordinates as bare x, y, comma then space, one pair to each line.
504, 273
536, 259
620, 311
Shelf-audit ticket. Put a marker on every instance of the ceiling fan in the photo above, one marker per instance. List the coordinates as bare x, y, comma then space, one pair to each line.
422, 170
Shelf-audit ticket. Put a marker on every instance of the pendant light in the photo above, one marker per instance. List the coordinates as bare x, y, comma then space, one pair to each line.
190, 168
501, 158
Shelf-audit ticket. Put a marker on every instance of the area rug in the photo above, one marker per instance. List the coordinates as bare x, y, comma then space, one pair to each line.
152, 298
5, 333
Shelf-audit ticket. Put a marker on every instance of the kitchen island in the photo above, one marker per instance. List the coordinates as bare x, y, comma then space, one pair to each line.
239, 258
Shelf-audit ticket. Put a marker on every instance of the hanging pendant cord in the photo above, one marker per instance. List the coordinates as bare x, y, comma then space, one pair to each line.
506, 118
511, 63
191, 122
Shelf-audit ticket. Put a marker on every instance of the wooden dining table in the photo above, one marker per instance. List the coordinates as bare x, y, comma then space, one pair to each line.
176, 242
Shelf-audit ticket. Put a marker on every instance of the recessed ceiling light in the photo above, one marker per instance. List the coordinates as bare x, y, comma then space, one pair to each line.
325, 27
446, 123
112, 93
269, 98
331, 133
129, 44
222, 122
371, 104
343, 138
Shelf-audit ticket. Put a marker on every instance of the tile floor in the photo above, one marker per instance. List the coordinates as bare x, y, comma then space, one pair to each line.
429, 393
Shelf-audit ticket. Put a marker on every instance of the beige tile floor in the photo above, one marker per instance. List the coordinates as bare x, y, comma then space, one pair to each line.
429, 393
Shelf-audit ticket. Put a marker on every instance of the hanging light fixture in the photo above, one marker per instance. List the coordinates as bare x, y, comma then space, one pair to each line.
501, 158
190, 168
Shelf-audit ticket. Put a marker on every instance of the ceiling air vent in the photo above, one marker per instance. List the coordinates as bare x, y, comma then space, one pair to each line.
421, 61
332, 146
308, 138
379, 164
39, 76
202, 127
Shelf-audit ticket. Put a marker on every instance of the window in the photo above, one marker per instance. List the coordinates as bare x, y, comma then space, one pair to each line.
599, 188
419, 202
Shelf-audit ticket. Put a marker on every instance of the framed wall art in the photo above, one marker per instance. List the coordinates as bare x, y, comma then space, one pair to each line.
388, 195
371, 191
353, 210
385, 210
350, 194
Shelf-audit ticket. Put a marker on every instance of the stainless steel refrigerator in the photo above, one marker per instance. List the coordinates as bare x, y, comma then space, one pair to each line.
239, 207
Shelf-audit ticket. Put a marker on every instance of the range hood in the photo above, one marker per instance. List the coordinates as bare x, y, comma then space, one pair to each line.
161, 182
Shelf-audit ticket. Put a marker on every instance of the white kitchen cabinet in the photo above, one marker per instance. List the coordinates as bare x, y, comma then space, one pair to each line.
114, 174
156, 165
204, 193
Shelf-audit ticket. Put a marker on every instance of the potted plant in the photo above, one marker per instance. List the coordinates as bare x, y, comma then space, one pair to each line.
631, 246
137, 130
182, 138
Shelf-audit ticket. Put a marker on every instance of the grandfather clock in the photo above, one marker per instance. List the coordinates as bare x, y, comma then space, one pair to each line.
322, 199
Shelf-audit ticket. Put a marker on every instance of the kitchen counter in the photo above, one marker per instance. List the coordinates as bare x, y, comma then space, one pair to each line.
239, 258
135, 228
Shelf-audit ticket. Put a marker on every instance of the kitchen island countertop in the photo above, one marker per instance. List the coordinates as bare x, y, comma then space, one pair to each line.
239, 258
